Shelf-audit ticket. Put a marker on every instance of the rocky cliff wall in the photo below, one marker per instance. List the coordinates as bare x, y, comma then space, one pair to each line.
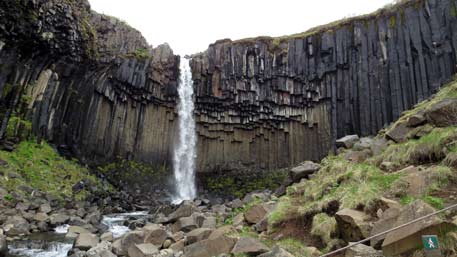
272, 102
88, 83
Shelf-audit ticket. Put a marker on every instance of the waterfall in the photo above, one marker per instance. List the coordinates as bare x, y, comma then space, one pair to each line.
184, 155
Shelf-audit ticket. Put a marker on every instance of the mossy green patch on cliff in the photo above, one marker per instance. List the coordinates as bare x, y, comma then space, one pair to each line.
453, 9
132, 174
240, 184
40, 167
19, 128
7, 89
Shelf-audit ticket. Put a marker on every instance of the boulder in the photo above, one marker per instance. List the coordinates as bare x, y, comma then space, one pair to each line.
121, 246
398, 133
209, 222
277, 252
210, 247
262, 225
102, 249
408, 238
357, 156
443, 113
353, 225
142, 250
185, 210
185, 224
59, 219
45, 208
22, 206
178, 246
41, 217
167, 243
238, 220
155, 234
363, 144
362, 250
313, 251
347, 141
86, 241
198, 234
304, 170
3, 246
378, 145
255, 214
416, 120
74, 231
249, 246
107, 236
386, 222
219, 232
16, 225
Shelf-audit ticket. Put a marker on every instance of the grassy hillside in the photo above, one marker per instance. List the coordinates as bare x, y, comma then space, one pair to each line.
39, 167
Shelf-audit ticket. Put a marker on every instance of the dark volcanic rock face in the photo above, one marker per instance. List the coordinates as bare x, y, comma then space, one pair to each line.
91, 84
85, 82
274, 102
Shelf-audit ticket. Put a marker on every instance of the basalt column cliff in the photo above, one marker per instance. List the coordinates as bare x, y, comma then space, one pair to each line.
272, 102
91, 85
88, 83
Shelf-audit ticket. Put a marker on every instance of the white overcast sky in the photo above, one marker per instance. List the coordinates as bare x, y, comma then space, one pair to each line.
189, 26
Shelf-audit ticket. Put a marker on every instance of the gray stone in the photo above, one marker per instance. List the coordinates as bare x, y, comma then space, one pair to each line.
185, 224
250, 246
41, 217
398, 133
15, 226
238, 220
255, 214
86, 241
74, 231
107, 236
142, 250
185, 210
277, 252
353, 225
102, 249
362, 250
210, 247
155, 234
45, 208
59, 219
209, 222
443, 113
347, 141
304, 170
198, 234
416, 120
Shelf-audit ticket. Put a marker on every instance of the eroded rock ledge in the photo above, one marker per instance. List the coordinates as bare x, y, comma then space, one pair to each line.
272, 102
87, 82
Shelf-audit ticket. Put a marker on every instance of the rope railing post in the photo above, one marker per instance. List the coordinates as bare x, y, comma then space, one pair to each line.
390, 230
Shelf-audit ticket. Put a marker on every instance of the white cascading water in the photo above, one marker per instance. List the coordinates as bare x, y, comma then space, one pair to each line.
184, 155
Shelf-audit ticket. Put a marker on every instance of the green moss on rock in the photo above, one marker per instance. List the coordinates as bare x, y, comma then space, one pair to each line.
40, 167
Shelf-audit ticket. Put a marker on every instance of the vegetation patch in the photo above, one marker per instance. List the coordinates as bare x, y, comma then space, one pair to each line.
129, 174
240, 184
428, 149
40, 167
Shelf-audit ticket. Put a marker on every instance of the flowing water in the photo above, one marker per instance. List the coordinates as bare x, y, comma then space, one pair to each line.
115, 222
40, 245
184, 155
54, 244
